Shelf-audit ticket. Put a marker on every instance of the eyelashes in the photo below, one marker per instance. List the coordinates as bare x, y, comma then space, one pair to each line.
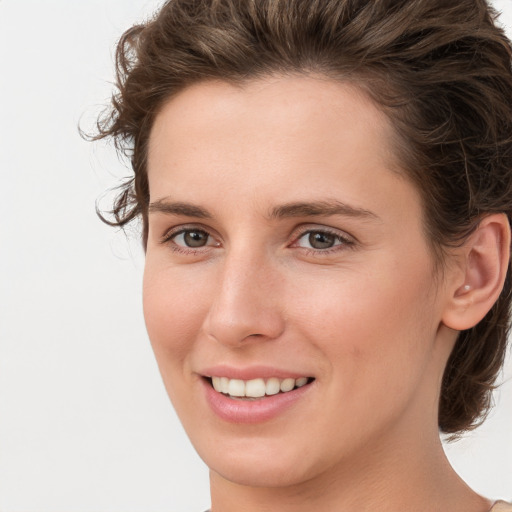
189, 240
311, 240
322, 240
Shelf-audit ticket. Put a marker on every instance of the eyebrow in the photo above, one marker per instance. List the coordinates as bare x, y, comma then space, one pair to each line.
320, 209
178, 208
288, 210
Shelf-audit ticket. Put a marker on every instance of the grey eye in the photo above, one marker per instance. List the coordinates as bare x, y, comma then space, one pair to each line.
321, 240
192, 238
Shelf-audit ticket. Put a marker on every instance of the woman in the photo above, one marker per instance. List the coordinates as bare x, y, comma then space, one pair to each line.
325, 190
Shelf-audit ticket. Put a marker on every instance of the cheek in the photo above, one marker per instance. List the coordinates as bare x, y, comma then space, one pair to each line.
377, 325
377, 335
174, 308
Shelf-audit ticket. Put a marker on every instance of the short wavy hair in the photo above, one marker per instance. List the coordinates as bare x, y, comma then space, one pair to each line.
440, 71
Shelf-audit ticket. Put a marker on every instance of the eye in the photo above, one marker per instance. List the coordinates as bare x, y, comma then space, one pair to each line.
318, 240
322, 240
189, 239
192, 238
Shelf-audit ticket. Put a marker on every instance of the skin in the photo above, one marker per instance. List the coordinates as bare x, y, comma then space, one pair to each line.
367, 318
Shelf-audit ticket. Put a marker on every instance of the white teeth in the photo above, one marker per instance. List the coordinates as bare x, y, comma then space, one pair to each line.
216, 384
256, 388
224, 385
287, 385
236, 387
273, 386
301, 382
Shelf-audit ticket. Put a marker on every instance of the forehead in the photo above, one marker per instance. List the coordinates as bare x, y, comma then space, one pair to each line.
313, 91
281, 106
277, 140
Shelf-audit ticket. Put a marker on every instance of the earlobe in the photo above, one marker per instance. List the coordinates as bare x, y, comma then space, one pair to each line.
486, 256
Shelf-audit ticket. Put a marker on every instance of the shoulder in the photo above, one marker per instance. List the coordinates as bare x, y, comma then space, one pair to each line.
501, 506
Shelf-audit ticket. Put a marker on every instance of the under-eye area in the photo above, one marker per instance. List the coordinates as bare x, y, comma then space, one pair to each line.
256, 388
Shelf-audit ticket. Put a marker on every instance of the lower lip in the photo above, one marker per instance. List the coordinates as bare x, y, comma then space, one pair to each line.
252, 411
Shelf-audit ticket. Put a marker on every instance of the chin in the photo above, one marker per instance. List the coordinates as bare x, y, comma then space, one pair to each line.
269, 474
261, 463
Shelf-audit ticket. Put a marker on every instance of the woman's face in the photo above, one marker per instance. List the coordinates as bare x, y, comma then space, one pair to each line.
285, 248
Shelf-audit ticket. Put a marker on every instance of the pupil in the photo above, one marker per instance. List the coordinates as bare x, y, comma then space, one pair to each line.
195, 238
321, 240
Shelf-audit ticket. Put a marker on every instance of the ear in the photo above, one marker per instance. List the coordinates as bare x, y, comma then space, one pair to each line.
485, 261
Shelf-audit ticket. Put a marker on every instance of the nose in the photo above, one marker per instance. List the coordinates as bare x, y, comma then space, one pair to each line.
245, 303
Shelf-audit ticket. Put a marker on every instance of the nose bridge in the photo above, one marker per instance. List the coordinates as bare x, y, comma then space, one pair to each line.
246, 301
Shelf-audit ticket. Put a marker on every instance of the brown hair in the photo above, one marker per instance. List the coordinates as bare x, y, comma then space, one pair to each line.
440, 70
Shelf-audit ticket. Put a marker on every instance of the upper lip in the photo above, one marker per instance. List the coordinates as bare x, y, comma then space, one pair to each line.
251, 372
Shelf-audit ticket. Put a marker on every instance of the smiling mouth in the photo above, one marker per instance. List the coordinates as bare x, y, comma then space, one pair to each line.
256, 388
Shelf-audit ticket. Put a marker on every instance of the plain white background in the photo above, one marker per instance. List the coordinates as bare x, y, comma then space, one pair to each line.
85, 425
